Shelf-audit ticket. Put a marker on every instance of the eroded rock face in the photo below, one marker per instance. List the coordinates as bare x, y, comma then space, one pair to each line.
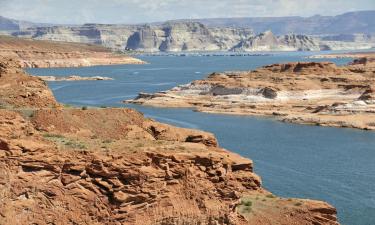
267, 41
170, 36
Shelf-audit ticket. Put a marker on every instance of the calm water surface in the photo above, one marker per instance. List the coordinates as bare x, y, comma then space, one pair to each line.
330, 164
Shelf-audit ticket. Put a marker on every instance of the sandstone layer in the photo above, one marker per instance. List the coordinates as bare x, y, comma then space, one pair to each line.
45, 54
305, 92
114, 166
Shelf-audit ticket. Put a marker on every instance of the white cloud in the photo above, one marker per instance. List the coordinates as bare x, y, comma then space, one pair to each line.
137, 11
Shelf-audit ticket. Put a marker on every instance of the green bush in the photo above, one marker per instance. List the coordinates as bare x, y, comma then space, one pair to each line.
270, 196
74, 144
246, 202
49, 135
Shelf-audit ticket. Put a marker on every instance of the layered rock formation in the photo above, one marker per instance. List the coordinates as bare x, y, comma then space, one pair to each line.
267, 41
313, 93
40, 54
189, 36
113, 166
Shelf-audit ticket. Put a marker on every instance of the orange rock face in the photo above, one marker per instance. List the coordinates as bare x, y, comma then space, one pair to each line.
21, 90
113, 166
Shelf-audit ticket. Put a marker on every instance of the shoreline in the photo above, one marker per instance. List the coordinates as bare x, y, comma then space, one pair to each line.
49, 54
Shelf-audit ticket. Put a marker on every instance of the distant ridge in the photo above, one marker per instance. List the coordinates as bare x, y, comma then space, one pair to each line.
347, 23
7, 24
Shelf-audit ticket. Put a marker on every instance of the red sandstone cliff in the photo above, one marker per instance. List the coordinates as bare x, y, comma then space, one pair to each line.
113, 166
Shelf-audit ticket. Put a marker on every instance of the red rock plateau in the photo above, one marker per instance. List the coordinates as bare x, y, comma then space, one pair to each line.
45, 54
304, 92
113, 166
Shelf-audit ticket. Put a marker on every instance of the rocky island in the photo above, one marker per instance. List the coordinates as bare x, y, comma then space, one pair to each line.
114, 166
44, 54
318, 93
72, 78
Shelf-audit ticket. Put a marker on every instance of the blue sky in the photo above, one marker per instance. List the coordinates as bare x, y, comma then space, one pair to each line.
140, 11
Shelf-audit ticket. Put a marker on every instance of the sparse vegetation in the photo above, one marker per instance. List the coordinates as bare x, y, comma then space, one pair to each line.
107, 141
27, 113
67, 106
75, 144
298, 203
139, 145
62, 140
246, 202
270, 196
84, 107
245, 206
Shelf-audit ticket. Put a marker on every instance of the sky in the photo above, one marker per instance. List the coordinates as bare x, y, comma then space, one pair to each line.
142, 11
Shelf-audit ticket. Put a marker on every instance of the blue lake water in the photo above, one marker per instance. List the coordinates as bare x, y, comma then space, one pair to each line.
331, 164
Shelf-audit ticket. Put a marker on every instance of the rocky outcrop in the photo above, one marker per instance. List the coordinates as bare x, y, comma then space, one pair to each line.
19, 90
45, 54
113, 166
163, 181
319, 93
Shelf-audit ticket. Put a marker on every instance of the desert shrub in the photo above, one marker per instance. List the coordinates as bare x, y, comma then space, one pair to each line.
270, 196
74, 144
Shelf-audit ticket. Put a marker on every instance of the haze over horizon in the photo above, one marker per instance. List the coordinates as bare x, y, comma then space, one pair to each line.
146, 11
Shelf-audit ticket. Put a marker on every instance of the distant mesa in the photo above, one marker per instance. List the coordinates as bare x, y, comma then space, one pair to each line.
353, 30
